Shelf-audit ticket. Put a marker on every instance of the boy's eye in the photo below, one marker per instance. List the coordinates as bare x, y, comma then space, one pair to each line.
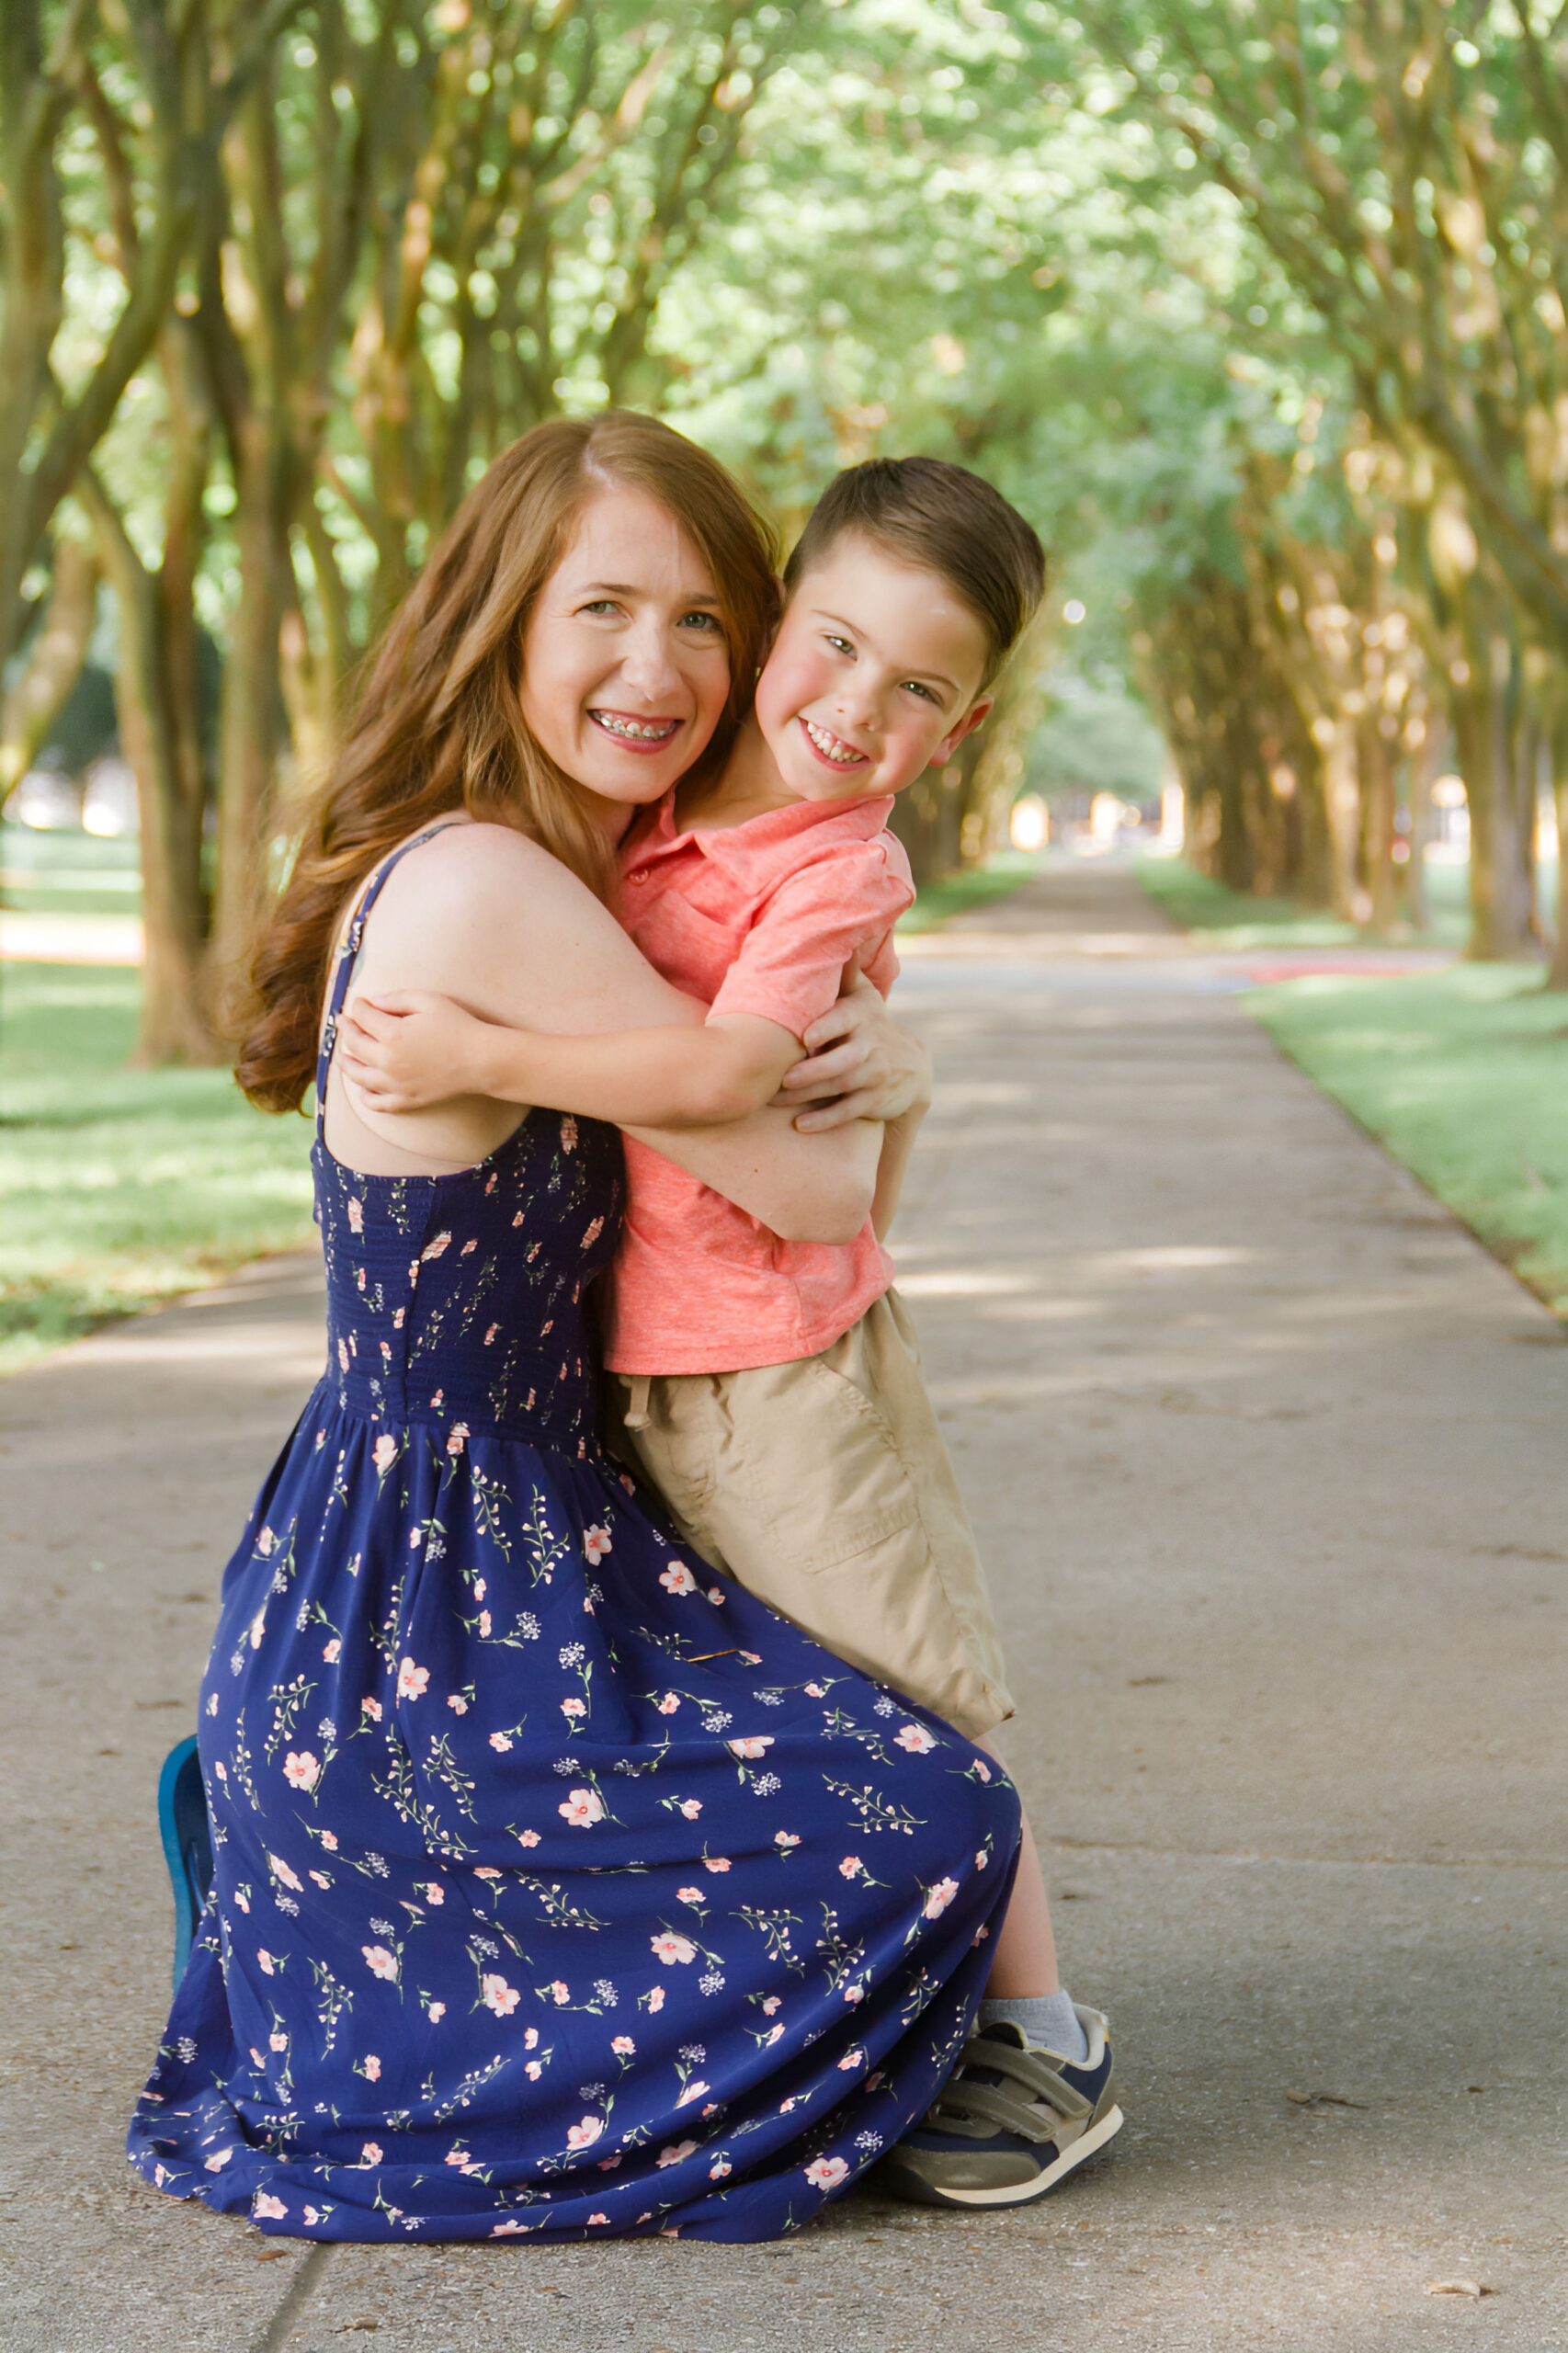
839, 644
917, 689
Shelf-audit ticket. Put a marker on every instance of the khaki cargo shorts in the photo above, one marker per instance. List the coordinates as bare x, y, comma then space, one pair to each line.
825, 1488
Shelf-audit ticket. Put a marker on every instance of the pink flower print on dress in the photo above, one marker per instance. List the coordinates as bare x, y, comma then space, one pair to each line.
595, 1228
856, 2058
434, 1892
434, 1249
456, 1703
938, 1898
568, 1134
816, 1690
573, 1707
851, 1867
584, 2135
623, 2046
497, 1995
561, 1993
788, 1839
654, 1997
356, 1215
677, 1578
372, 1707
264, 1542
670, 1948
853, 1993
435, 2012
715, 1863
689, 1895
501, 1740
596, 1544
528, 1837
771, 2001
599, 2218
372, 2154
383, 1454
330, 1651
693, 2091
372, 2069
215, 2163
301, 1767
675, 2151
265, 1961
379, 1962
669, 1703
718, 2169
716, 1595
530, 2038
755, 1745
915, 1739
286, 1872
827, 2173
582, 1808
413, 1682
456, 1438
691, 1808
267, 2208
533, 2070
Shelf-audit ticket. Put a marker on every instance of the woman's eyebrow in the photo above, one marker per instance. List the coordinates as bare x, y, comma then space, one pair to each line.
853, 629
628, 589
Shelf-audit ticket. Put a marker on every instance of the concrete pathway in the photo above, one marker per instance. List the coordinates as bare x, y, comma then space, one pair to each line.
1268, 1458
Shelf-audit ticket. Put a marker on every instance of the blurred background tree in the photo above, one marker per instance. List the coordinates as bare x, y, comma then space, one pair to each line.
1254, 311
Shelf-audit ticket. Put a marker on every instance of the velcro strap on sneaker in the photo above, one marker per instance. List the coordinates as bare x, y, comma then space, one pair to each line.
970, 2106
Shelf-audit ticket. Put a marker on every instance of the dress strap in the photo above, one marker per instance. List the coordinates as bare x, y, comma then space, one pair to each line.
348, 956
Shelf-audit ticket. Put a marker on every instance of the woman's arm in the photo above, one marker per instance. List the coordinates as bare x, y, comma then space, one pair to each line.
481, 913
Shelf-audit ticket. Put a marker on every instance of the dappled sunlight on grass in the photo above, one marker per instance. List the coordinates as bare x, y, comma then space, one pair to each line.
1464, 1075
122, 1188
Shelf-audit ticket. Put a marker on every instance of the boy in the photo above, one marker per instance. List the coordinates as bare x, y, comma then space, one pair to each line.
771, 1389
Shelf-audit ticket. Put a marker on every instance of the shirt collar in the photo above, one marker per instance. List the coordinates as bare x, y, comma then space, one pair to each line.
758, 838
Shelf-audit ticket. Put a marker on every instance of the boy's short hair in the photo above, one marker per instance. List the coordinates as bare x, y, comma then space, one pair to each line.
924, 511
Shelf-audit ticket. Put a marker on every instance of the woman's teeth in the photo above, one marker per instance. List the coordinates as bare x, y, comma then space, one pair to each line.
844, 756
636, 731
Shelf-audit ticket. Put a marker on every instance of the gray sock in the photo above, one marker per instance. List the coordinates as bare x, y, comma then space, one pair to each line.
1047, 2020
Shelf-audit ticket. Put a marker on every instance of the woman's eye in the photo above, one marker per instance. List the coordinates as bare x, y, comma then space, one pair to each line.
600, 605
706, 622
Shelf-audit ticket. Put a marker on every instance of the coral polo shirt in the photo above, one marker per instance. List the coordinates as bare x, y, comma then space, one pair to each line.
760, 917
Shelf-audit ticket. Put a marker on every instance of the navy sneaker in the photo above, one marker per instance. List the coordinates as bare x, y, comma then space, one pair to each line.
1012, 2120
188, 1843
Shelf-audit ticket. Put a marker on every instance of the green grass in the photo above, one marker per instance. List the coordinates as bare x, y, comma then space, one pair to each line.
975, 886
1463, 1075
122, 1188
68, 874
1235, 919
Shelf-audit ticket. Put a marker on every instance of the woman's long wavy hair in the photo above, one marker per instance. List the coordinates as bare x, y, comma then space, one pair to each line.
437, 720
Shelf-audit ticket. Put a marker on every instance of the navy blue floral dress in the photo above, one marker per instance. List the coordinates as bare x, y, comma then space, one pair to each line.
560, 1887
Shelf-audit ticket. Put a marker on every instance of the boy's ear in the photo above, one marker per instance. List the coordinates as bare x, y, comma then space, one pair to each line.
974, 717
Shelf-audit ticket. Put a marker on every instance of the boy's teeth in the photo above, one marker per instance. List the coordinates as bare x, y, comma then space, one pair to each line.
831, 748
649, 731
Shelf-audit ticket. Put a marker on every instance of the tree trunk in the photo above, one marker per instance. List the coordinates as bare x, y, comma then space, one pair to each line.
53, 662
251, 716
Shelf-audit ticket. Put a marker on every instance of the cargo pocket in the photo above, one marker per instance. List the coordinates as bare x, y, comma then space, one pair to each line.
824, 1468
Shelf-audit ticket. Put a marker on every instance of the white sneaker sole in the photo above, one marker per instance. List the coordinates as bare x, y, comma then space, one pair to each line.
1024, 2193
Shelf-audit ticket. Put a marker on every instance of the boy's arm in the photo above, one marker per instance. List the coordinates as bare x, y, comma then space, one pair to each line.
407, 1050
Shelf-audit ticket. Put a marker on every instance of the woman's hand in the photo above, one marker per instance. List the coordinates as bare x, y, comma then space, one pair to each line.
406, 1049
859, 1063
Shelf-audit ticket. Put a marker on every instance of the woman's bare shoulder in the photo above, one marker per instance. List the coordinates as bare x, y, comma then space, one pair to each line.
480, 912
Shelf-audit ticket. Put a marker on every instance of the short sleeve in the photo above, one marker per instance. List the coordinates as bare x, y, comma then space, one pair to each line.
843, 903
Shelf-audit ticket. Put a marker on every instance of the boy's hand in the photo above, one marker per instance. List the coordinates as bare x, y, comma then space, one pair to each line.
405, 1050
859, 1063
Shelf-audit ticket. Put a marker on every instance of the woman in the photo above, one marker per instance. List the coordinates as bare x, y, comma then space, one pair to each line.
558, 1889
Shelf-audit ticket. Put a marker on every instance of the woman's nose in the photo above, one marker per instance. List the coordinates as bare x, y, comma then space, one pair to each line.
649, 662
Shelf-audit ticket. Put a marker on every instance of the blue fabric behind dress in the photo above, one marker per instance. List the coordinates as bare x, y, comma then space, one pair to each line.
562, 1888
